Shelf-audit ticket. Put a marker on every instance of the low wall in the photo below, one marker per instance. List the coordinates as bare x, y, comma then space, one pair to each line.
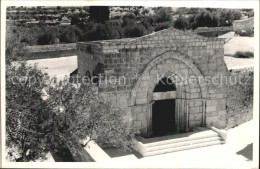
243, 24
50, 51
240, 100
227, 36
213, 31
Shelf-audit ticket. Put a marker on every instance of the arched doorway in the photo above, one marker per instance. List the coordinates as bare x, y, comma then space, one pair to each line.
163, 108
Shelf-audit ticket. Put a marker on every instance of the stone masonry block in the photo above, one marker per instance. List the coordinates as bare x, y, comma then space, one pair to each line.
211, 108
137, 124
194, 109
140, 116
141, 101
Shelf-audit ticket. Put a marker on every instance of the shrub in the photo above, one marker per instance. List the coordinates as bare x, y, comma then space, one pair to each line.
163, 25
251, 13
47, 38
164, 14
246, 54
181, 23
71, 35
136, 30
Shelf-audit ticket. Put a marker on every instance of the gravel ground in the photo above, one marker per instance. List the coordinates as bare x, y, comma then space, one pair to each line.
238, 43
59, 67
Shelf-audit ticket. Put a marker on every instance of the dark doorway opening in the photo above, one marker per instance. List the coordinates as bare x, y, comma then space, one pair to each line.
165, 85
163, 111
163, 117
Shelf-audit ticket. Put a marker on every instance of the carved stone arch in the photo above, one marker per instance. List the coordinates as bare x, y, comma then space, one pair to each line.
162, 57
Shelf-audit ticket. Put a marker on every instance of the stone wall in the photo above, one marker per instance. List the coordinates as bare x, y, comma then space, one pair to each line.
213, 31
227, 36
244, 24
240, 97
182, 54
50, 51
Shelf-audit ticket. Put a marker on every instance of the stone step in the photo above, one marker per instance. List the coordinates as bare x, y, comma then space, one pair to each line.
178, 138
181, 148
181, 144
200, 137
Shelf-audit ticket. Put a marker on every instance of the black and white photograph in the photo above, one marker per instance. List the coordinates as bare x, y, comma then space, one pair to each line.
128, 84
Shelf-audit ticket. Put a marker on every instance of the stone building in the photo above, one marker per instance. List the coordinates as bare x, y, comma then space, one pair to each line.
190, 63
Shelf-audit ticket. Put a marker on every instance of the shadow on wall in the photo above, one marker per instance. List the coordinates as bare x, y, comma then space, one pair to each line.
247, 152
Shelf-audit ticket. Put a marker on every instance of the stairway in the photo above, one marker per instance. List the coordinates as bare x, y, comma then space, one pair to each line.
200, 137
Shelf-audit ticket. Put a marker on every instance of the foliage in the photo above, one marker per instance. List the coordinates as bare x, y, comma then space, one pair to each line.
135, 30
71, 35
28, 116
164, 15
163, 25
14, 46
214, 18
251, 14
136, 22
181, 23
47, 38
246, 54
102, 31
81, 112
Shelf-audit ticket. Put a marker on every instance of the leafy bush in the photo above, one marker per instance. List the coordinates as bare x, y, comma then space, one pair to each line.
214, 18
181, 23
135, 30
240, 54
71, 34
251, 14
47, 38
163, 25
164, 14
203, 19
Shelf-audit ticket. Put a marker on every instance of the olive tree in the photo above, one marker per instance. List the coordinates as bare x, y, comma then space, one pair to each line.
28, 116
83, 115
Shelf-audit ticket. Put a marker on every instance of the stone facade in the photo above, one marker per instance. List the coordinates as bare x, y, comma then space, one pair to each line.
193, 60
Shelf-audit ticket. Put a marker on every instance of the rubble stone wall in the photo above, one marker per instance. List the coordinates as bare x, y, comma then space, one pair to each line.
240, 100
244, 24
